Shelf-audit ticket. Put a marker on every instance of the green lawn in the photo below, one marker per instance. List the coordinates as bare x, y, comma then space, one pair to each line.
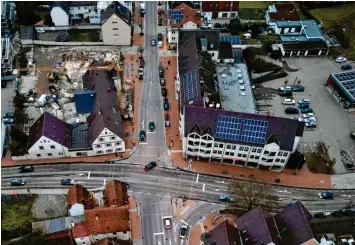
253, 4
251, 14
317, 166
84, 36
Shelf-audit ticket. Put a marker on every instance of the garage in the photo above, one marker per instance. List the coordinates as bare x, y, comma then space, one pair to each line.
304, 49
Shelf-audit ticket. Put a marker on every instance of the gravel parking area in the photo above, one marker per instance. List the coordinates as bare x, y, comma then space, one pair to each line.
333, 122
50, 206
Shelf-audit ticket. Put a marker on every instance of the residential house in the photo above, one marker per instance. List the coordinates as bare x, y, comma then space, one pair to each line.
219, 9
116, 25
49, 137
224, 234
60, 238
115, 193
106, 134
182, 17
112, 241
8, 17
80, 234
281, 12
78, 194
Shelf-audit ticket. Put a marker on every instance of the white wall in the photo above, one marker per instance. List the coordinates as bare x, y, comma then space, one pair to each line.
47, 148
226, 60
214, 55
83, 240
86, 11
59, 17
173, 35
108, 142
189, 25
116, 32
118, 235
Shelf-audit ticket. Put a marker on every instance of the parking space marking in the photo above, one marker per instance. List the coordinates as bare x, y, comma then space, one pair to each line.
89, 174
143, 143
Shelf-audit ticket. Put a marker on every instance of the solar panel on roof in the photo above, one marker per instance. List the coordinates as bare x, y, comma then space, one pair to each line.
228, 128
190, 86
254, 131
177, 15
231, 39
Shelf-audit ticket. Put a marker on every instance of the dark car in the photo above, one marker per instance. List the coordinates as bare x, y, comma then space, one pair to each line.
352, 135
183, 231
164, 92
291, 110
141, 63
307, 110
346, 67
142, 135
285, 93
67, 182
303, 106
325, 195
150, 166
3, 84
161, 73
17, 182
162, 81
153, 42
26, 168
298, 88
151, 126
166, 104
217, 25
9, 115
126, 184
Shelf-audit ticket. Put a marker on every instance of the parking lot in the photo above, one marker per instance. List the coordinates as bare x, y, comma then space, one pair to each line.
333, 123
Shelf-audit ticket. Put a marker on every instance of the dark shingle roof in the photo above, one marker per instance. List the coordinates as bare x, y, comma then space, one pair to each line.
286, 129
259, 226
80, 136
118, 9
212, 37
225, 51
293, 224
305, 45
82, 3
285, 11
105, 114
84, 101
51, 127
224, 234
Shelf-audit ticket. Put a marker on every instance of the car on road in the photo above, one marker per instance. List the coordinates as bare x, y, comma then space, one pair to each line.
164, 92
8, 120
166, 104
40, 30
285, 93
141, 71
226, 198
183, 231
162, 81
306, 110
326, 195
67, 182
167, 223
151, 126
311, 124
288, 102
340, 59
291, 110
303, 106
153, 42
17, 182
304, 101
150, 166
26, 168
142, 135
306, 115
298, 88
346, 67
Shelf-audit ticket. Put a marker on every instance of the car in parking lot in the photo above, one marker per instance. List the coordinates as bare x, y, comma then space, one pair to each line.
311, 124
306, 110
285, 93
8, 120
304, 101
151, 126
166, 104
298, 88
142, 135
326, 195
141, 71
17, 182
291, 110
40, 30
153, 42
308, 115
167, 223
9, 115
340, 59
303, 106
183, 231
309, 119
26, 168
67, 182
287, 88
346, 67
288, 102
150, 166
164, 92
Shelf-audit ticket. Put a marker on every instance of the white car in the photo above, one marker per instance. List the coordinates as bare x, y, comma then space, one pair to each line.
288, 102
289, 88
340, 59
40, 30
141, 72
310, 119
167, 223
307, 115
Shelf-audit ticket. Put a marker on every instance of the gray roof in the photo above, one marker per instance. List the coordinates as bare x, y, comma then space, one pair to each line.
286, 129
311, 29
56, 225
224, 234
105, 114
288, 23
212, 37
225, 50
63, 5
118, 9
80, 136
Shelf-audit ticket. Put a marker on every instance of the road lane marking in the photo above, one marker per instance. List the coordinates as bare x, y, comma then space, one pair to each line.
159, 233
170, 242
203, 188
184, 222
144, 143
175, 239
184, 210
89, 174
104, 182
198, 175
149, 193
167, 196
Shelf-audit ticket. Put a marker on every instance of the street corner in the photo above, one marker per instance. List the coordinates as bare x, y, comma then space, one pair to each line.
138, 40
190, 204
178, 160
195, 235
210, 221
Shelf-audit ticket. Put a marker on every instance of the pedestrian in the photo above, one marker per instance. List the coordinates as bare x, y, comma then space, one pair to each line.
28, 189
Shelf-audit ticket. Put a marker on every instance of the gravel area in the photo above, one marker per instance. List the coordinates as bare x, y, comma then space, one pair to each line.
49, 206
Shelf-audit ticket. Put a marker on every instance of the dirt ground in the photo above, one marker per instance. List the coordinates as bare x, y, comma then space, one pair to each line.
49, 207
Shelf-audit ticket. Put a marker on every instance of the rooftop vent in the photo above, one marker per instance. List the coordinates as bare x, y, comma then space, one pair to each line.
224, 82
218, 105
225, 87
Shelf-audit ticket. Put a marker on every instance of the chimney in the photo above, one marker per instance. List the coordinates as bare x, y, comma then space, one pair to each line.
72, 224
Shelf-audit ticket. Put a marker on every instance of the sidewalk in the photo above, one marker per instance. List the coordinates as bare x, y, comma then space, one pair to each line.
135, 221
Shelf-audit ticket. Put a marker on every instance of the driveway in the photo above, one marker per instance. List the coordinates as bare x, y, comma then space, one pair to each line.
333, 122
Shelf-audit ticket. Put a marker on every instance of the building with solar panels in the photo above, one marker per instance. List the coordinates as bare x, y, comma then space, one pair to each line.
343, 84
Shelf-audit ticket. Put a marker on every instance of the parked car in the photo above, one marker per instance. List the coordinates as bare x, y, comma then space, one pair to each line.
26, 168
308, 115
304, 101
126, 184
167, 223
287, 88
352, 135
303, 106
166, 104
164, 92
309, 120
285, 93
3, 84
311, 124
153, 42
326, 195
288, 102
40, 30
141, 63
141, 71
151, 126
8, 120
183, 231
306, 110
291, 110
142, 135
161, 73
226, 198
298, 88
162, 81
9, 115
217, 25
67, 182
340, 59
346, 67
17, 182
150, 166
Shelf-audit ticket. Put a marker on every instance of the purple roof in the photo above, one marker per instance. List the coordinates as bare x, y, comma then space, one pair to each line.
285, 129
293, 224
258, 227
51, 127
105, 114
224, 234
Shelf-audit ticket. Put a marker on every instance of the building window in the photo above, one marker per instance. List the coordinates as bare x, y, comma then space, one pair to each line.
259, 151
78, 8
209, 145
214, 151
41, 147
60, 154
220, 145
228, 146
108, 145
52, 146
49, 154
173, 38
263, 159
109, 150
234, 147
232, 154
272, 154
85, 7
269, 160
277, 160
257, 157
252, 157
241, 148
117, 143
99, 152
38, 155
215, 145
246, 149
190, 142
115, 29
212, 54
280, 153
219, 152
112, 138
115, 35
114, 22
173, 32
253, 150
227, 153
266, 153
282, 160
119, 149
239, 155
285, 154
101, 139
244, 155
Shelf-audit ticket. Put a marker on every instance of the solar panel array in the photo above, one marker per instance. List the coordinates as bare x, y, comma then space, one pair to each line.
254, 131
190, 86
228, 128
231, 39
177, 15
347, 81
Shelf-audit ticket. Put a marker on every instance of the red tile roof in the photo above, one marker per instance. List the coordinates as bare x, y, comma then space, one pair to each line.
79, 230
77, 194
60, 238
217, 6
189, 15
106, 220
285, 11
110, 241
115, 193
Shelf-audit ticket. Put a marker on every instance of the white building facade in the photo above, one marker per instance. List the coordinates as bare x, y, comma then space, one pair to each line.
59, 16
79, 12
47, 148
107, 142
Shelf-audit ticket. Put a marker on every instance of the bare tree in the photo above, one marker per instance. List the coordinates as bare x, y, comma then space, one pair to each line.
252, 193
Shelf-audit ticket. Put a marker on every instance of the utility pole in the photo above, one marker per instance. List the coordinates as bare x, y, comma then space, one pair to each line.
294, 82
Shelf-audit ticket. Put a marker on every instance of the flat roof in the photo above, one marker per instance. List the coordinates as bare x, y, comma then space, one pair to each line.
232, 97
346, 82
293, 38
288, 23
312, 29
